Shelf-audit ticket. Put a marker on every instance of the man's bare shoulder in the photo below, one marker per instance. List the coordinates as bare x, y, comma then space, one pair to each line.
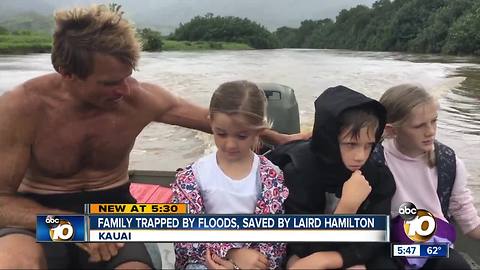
153, 89
153, 96
170, 108
24, 102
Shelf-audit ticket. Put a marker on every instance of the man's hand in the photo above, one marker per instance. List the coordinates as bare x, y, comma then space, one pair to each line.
300, 136
101, 251
272, 137
247, 258
355, 190
357, 267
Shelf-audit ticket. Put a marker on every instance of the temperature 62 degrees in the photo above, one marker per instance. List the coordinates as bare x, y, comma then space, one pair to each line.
434, 250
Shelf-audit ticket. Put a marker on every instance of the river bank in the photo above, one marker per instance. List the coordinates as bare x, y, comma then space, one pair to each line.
11, 44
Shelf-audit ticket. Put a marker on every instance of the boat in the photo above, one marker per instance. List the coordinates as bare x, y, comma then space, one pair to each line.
282, 107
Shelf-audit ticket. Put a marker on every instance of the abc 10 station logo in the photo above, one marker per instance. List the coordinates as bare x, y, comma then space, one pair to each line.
68, 228
419, 224
60, 229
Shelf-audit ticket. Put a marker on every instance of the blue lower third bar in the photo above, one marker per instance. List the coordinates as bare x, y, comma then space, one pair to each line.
434, 250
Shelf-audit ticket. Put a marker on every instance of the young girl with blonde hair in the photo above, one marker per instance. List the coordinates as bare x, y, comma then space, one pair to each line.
232, 180
427, 173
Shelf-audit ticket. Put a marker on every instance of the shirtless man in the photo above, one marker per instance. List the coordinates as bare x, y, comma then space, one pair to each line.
65, 139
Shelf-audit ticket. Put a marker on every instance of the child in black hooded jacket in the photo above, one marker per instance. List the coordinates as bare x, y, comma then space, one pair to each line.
332, 174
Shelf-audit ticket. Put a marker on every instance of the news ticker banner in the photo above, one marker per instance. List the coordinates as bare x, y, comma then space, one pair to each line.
213, 228
420, 250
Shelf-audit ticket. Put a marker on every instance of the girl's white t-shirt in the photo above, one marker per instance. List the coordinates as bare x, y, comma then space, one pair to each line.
223, 195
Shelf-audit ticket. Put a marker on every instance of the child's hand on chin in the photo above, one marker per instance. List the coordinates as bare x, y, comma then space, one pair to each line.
355, 190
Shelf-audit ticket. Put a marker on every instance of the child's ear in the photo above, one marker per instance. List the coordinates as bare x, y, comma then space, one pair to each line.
390, 131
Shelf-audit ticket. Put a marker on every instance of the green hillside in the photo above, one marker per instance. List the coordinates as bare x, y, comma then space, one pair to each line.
29, 21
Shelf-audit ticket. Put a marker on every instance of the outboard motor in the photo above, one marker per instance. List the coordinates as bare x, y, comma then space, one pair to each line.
282, 109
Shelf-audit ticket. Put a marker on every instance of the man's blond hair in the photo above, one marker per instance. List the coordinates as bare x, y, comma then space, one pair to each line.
82, 32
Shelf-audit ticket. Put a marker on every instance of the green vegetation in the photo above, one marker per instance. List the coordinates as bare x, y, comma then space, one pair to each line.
26, 33
3, 31
433, 26
421, 26
151, 39
24, 42
227, 29
35, 43
174, 45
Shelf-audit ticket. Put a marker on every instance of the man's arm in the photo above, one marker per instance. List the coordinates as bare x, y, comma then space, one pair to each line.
174, 110
171, 109
16, 136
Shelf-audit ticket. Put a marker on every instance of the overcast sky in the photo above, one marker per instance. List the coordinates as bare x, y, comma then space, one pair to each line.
169, 13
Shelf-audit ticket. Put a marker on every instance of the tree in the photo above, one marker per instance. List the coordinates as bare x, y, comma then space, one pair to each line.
151, 40
433, 37
287, 37
321, 36
409, 21
463, 36
229, 29
431, 26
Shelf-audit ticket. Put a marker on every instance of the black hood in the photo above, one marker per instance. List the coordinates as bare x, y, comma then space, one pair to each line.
324, 142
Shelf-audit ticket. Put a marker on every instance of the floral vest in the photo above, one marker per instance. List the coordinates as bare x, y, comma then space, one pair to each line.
273, 194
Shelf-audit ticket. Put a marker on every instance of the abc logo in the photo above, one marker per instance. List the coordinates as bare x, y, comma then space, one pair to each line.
419, 224
60, 229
